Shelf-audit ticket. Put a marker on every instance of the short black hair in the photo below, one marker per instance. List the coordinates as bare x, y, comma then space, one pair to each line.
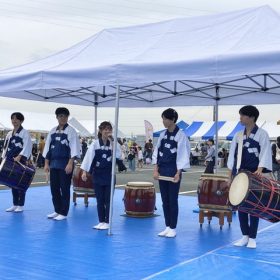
170, 114
211, 140
18, 115
62, 111
250, 111
278, 139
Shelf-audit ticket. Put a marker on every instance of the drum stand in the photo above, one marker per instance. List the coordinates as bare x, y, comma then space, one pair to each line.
85, 195
221, 214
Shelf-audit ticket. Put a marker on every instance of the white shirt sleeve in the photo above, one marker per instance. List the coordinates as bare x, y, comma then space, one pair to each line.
47, 143
89, 156
27, 144
233, 145
155, 153
183, 151
74, 143
118, 151
6, 143
265, 156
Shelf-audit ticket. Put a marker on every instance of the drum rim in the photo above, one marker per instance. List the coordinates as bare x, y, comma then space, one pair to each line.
246, 193
136, 184
213, 176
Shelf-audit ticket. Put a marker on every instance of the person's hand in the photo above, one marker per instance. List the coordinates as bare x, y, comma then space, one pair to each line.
46, 168
17, 158
177, 177
259, 171
84, 176
69, 167
156, 175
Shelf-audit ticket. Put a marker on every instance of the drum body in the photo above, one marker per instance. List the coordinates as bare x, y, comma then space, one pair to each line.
213, 192
78, 184
256, 195
139, 199
16, 175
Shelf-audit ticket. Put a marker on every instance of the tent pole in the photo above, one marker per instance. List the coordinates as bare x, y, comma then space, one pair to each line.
216, 129
114, 158
95, 115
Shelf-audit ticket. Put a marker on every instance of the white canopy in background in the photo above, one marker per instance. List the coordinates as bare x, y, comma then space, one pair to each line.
89, 125
232, 58
272, 129
38, 122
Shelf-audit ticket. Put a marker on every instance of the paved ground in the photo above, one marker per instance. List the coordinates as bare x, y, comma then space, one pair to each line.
188, 185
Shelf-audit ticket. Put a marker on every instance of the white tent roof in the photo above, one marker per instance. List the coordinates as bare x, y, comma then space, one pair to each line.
32, 121
272, 129
231, 57
89, 125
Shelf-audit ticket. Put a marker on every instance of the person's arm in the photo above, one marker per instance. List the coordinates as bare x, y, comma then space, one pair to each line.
265, 157
89, 156
27, 146
233, 145
155, 157
75, 148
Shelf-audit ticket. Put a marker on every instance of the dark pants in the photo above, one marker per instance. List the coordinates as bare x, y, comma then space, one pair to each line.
250, 230
18, 197
169, 194
210, 167
40, 161
60, 188
102, 193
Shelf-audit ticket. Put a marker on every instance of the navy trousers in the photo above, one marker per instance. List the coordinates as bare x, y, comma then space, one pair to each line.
60, 188
18, 197
169, 194
247, 228
102, 193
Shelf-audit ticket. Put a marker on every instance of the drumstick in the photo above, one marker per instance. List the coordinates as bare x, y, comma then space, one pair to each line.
165, 178
24, 166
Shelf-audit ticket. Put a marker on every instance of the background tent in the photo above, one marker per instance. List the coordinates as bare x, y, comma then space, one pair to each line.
272, 129
181, 124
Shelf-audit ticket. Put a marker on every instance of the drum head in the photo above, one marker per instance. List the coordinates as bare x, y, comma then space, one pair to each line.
140, 184
238, 189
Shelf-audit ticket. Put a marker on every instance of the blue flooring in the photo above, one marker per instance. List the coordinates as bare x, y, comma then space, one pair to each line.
33, 247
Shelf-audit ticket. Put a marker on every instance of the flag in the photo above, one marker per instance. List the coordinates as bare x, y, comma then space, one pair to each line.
148, 130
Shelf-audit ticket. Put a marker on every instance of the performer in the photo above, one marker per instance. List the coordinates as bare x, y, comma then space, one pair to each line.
210, 157
98, 161
256, 158
61, 148
171, 156
17, 147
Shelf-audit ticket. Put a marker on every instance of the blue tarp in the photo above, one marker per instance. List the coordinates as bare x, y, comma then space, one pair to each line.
236, 129
193, 128
212, 131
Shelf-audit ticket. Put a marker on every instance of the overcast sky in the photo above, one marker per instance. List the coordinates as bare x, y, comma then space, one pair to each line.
33, 29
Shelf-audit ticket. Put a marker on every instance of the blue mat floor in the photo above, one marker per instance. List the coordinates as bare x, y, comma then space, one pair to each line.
33, 247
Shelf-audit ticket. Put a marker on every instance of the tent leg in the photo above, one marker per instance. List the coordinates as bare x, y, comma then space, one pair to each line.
114, 158
216, 129
95, 115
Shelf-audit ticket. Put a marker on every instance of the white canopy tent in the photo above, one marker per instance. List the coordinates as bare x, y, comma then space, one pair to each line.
272, 129
230, 58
